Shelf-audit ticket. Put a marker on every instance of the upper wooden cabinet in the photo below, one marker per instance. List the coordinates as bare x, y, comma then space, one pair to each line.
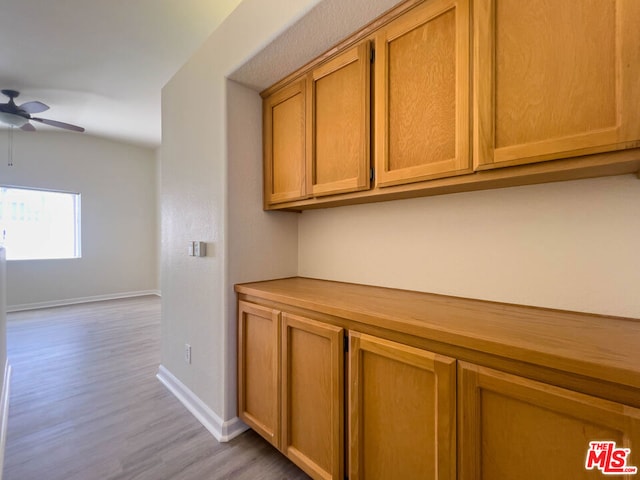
340, 102
554, 79
285, 143
454, 89
422, 93
317, 131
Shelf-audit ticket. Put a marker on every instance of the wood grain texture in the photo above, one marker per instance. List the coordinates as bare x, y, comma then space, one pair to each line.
85, 404
259, 370
594, 346
511, 427
285, 144
553, 79
402, 411
313, 396
422, 94
627, 17
337, 134
341, 124
555, 69
422, 106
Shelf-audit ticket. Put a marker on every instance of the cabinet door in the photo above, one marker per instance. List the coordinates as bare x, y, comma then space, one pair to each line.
402, 412
285, 144
422, 94
340, 117
554, 79
313, 396
511, 427
258, 370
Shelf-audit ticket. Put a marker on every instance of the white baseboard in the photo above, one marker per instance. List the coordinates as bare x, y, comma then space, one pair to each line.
4, 412
74, 301
223, 431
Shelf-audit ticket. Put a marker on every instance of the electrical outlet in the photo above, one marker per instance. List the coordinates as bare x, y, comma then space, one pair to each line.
187, 353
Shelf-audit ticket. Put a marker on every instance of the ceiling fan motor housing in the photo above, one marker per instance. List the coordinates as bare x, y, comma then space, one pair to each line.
11, 93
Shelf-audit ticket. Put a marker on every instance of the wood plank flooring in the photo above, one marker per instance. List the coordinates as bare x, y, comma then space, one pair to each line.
85, 404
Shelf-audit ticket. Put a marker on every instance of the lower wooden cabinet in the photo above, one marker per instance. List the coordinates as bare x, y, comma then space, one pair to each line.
291, 386
512, 427
313, 396
402, 411
401, 402
374, 408
258, 370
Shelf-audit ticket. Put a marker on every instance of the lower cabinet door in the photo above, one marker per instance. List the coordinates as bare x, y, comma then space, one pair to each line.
258, 369
402, 412
313, 396
515, 428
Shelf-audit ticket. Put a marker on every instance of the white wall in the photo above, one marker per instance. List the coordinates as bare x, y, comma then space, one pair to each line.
211, 158
570, 245
118, 217
3, 321
5, 368
204, 194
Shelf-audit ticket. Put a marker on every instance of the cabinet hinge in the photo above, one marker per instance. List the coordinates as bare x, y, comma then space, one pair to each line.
372, 174
345, 343
373, 55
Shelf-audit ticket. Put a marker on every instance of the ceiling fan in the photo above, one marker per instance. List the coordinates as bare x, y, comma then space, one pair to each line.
20, 115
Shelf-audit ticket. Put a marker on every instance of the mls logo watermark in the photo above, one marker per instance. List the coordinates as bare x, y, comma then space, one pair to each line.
608, 459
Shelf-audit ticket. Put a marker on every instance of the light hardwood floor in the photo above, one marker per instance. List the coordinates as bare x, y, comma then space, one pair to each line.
85, 404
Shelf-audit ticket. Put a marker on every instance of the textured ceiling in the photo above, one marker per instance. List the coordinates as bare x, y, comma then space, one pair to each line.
102, 64
324, 26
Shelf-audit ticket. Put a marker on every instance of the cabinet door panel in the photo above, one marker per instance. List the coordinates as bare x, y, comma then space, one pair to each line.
258, 369
285, 144
402, 407
512, 427
553, 79
340, 92
313, 396
422, 94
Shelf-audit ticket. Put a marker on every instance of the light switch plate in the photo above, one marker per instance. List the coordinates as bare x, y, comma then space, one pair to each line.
199, 249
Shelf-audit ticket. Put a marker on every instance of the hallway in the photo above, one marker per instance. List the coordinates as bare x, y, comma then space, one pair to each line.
85, 404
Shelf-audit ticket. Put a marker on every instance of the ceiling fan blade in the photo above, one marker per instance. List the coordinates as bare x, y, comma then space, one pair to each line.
27, 127
55, 123
34, 107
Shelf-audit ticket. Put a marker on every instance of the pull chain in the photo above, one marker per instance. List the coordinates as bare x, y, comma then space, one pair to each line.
10, 153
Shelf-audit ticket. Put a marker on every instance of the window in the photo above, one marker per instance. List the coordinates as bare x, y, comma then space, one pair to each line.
39, 224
